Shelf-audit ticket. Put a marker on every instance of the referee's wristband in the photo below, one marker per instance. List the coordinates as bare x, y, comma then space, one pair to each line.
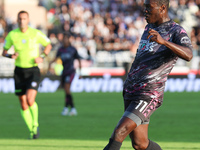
43, 55
8, 55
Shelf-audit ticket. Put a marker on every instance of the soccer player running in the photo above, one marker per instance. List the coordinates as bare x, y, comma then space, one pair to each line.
26, 42
162, 42
68, 54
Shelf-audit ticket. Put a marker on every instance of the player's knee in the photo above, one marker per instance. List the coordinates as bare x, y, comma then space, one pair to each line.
121, 133
139, 145
30, 101
24, 105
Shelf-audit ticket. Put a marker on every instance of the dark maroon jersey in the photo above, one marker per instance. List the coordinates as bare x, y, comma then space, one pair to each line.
67, 56
153, 63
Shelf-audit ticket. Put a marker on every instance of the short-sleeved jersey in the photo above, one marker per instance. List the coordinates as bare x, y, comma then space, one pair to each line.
153, 63
68, 55
26, 45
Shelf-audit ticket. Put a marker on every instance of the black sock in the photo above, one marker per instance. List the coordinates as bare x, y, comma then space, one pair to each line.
69, 101
113, 145
66, 101
153, 146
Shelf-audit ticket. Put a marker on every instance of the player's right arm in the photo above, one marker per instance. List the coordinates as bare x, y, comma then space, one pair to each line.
51, 62
78, 57
7, 45
184, 52
13, 56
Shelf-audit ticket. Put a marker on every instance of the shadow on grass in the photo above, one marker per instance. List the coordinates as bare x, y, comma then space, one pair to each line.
82, 146
50, 146
182, 148
56, 146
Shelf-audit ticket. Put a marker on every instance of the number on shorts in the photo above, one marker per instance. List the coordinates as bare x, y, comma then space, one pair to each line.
140, 104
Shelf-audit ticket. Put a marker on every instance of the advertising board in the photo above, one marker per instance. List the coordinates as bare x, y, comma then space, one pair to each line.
105, 83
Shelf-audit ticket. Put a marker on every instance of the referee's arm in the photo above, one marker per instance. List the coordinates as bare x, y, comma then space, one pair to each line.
47, 49
6, 54
45, 53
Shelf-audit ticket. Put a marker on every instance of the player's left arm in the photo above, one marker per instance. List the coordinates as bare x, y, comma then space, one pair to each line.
44, 40
80, 66
13, 56
183, 52
47, 49
7, 45
78, 57
44, 54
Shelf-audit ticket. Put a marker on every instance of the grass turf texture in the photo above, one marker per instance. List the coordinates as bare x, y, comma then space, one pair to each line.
175, 125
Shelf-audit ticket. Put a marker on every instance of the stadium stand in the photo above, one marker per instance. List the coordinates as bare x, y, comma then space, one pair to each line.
106, 33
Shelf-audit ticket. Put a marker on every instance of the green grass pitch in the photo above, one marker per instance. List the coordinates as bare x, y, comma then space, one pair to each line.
175, 125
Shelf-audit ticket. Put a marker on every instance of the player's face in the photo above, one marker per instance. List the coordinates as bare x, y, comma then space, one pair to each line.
152, 11
23, 20
66, 41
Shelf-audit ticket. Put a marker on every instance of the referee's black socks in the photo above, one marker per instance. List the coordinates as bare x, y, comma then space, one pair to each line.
153, 146
113, 145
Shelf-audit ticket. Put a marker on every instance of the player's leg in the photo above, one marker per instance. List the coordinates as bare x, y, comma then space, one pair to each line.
124, 127
140, 141
20, 91
139, 137
137, 112
23, 102
67, 80
122, 130
66, 87
31, 95
25, 113
69, 99
33, 74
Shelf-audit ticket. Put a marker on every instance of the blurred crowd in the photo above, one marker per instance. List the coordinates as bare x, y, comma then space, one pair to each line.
108, 25
114, 25
97, 25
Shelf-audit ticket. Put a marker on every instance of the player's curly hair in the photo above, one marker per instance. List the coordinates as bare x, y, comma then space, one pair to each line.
163, 2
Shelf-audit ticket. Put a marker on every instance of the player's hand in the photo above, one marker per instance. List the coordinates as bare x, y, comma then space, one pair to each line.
38, 60
14, 56
80, 77
155, 37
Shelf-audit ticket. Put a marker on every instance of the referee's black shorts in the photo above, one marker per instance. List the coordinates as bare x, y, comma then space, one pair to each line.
26, 78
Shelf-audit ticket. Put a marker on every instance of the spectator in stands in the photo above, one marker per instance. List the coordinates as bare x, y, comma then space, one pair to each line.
99, 19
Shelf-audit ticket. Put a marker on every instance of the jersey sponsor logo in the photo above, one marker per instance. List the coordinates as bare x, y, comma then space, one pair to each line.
145, 45
66, 56
162, 31
34, 84
185, 40
23, 41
